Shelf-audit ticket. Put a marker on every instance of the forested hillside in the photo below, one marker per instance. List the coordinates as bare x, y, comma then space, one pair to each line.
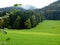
51, 12
19, 18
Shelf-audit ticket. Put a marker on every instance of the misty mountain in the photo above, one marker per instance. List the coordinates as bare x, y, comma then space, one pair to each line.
29, 7
22, 8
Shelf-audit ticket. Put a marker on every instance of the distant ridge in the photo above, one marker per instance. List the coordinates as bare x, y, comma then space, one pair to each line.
51, 12
11, 8
52, 6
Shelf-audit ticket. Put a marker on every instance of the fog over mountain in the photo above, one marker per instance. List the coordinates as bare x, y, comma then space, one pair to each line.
28, 7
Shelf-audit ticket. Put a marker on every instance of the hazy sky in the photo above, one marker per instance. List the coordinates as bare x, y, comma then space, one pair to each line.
36, 3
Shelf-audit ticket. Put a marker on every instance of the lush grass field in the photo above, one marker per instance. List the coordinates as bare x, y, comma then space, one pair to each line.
46, 33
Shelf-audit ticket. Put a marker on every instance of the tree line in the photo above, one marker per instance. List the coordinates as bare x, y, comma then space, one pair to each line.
20, 19
52, 15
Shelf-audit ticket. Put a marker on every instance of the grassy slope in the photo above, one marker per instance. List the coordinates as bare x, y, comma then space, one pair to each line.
51, 26
46, 33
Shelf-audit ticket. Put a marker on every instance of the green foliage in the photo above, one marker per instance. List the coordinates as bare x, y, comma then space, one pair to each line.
28, 24
33, 20
9, 27
52, 14
6, 22
21, 19
16, 24
1, 22
15, 4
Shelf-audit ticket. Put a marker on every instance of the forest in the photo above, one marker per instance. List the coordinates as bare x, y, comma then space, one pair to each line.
19, 19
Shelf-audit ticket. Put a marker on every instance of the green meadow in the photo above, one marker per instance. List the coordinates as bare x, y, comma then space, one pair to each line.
45, 33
